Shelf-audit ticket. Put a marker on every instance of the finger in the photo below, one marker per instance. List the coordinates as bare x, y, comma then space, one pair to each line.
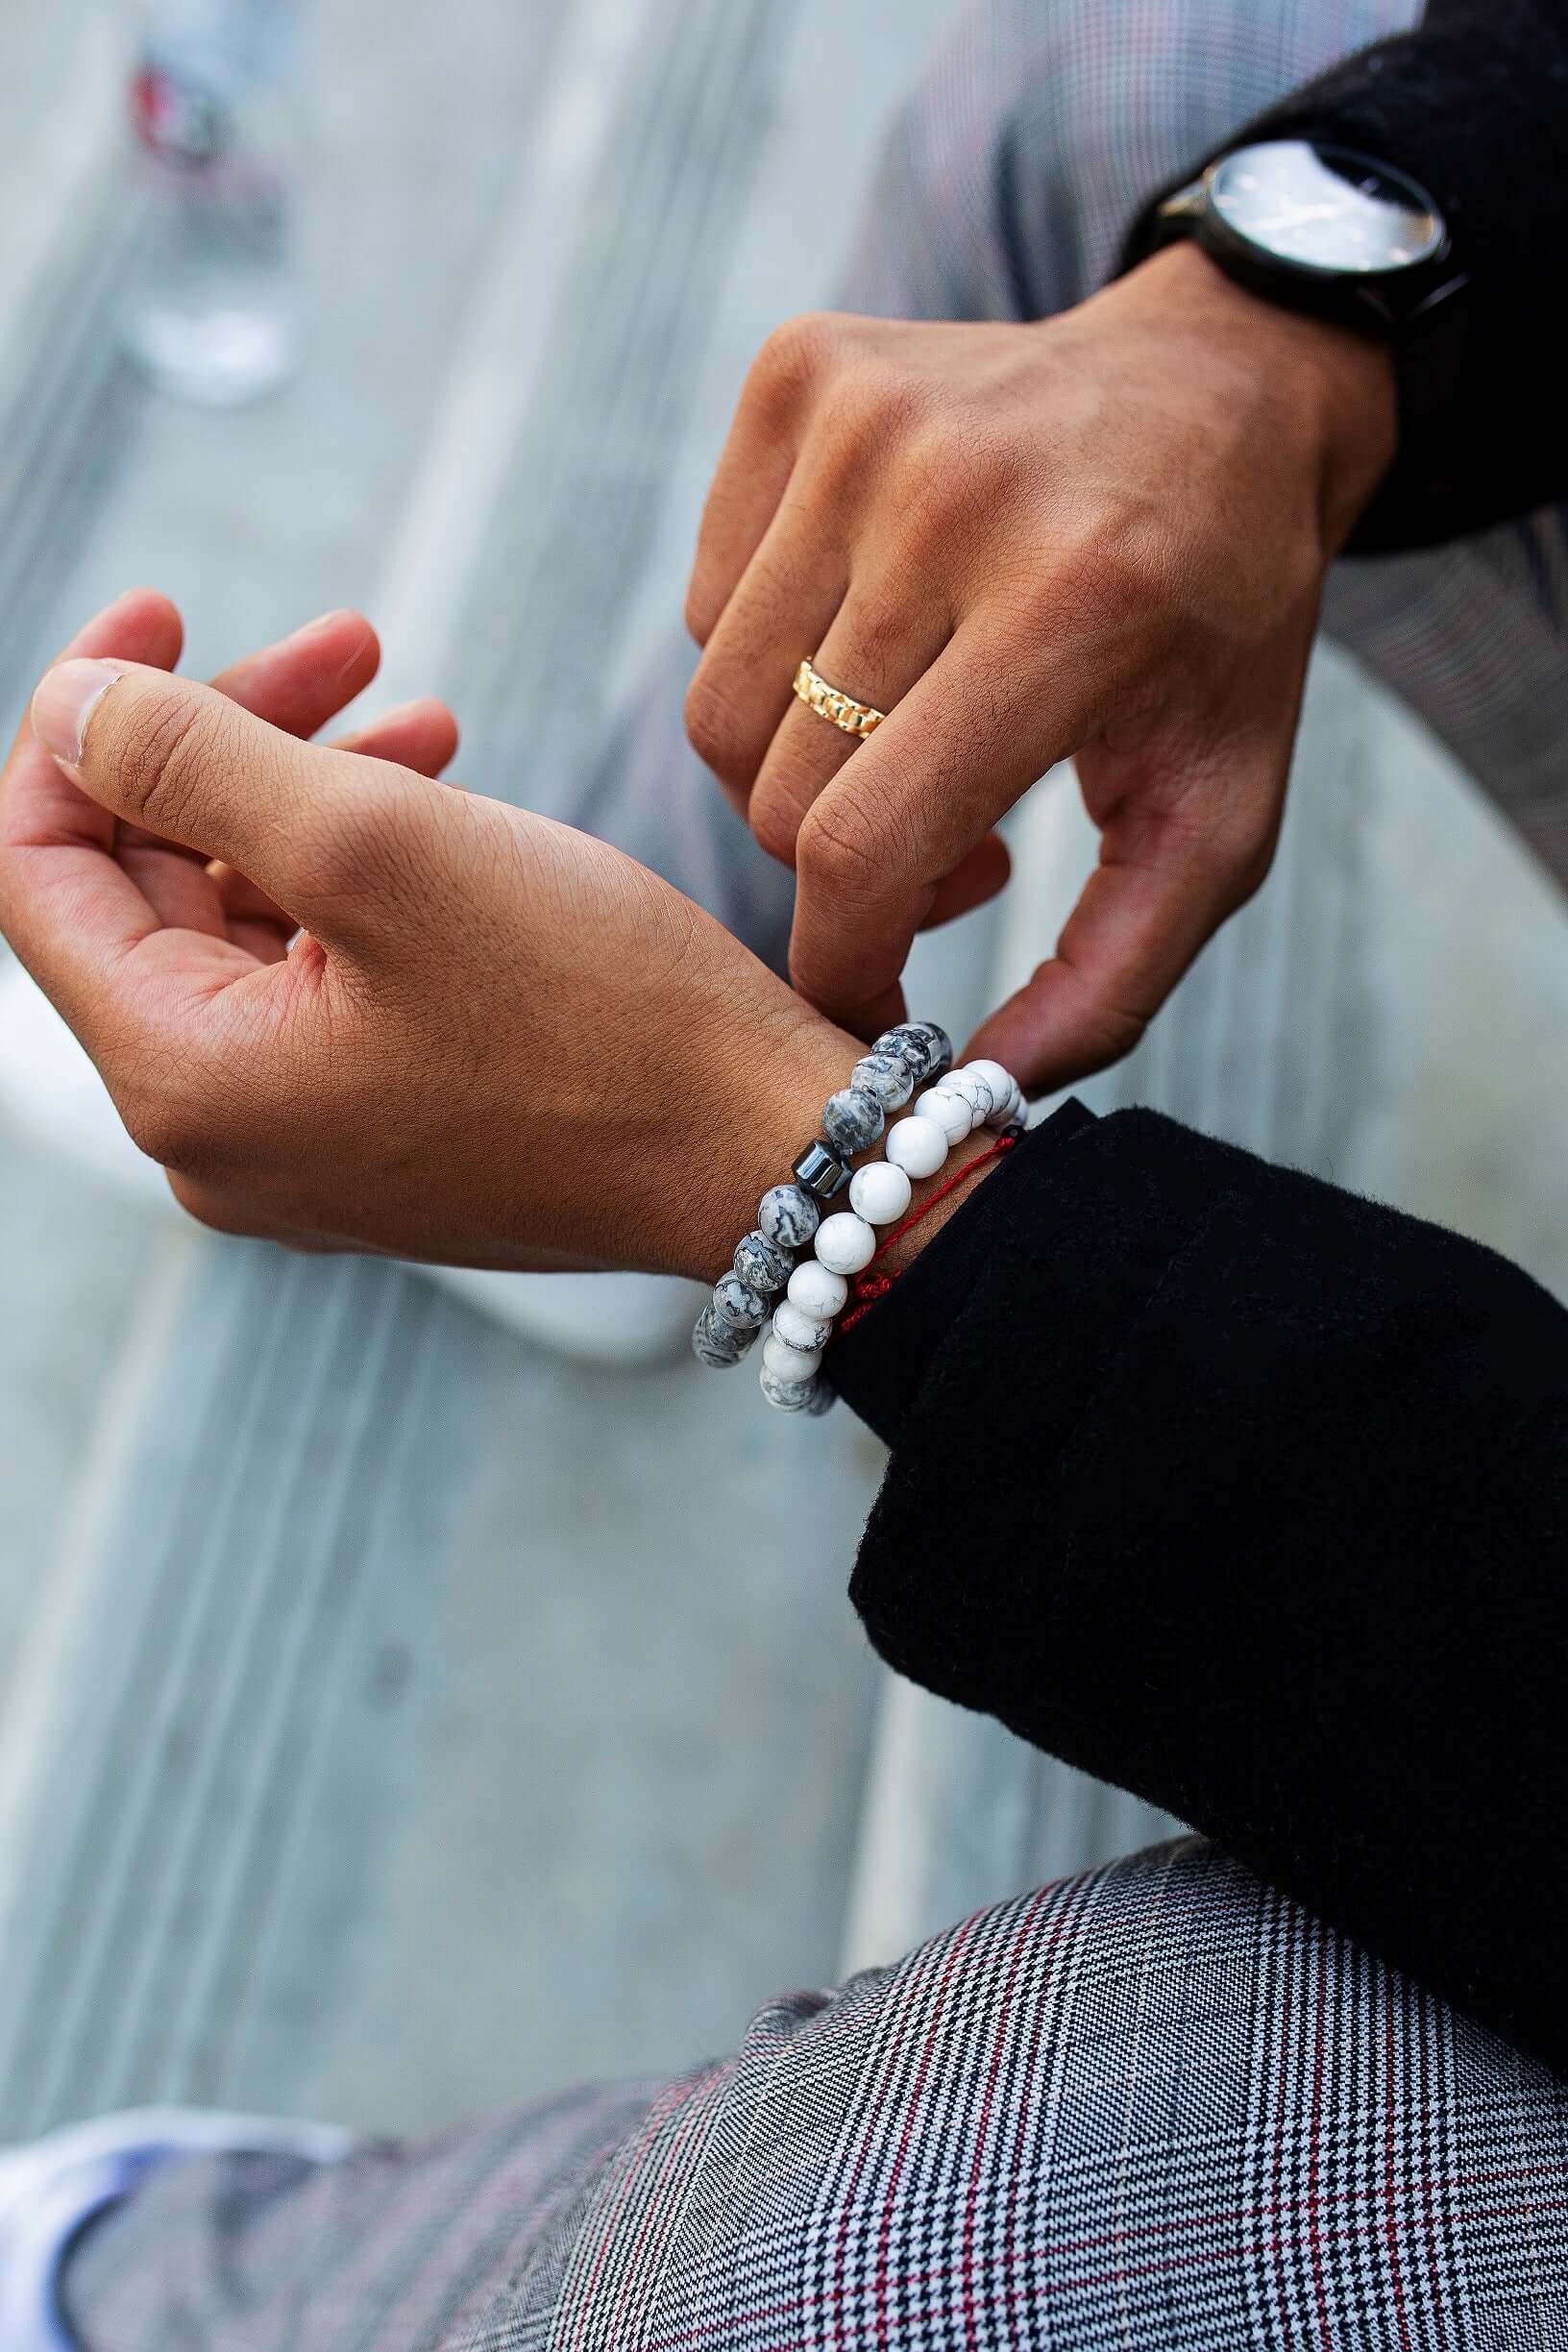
754, 473
881, 642
979, 876
744, 682
57, 868
140, 625
1173, 867
184, 763
422, 736
308, 677
967, 742
297, 684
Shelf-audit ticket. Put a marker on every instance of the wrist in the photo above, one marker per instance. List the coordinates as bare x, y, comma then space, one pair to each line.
1335, 386
777, 1081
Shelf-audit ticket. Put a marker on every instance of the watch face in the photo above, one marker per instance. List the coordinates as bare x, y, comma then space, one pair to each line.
1319, 208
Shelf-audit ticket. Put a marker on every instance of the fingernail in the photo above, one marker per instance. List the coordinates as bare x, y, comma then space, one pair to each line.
66, 700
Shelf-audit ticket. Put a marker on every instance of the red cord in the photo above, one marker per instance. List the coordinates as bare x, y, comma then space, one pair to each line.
868, 1286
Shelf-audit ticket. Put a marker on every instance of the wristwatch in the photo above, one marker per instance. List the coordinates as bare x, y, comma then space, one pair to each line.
1322, 229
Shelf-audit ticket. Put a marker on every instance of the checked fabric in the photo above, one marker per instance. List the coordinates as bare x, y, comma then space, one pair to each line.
1153, 2106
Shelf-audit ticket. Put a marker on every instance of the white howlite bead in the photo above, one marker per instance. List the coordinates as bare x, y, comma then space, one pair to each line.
817, 1290
798, 1330
846, 1242
948, 1111
970, 1090
993, 1075
879, 1192
916, 1145
789, 1363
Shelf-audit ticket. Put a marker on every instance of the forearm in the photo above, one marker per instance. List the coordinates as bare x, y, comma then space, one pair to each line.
1251, 1498
1471, 105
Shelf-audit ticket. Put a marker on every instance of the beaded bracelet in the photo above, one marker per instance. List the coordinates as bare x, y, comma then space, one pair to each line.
912, 1055
982, 1093
788, 1215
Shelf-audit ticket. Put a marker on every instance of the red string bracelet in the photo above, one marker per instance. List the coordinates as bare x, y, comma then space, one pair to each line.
868, 1286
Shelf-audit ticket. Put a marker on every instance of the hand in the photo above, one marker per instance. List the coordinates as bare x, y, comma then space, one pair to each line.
494, 1041
1102, 536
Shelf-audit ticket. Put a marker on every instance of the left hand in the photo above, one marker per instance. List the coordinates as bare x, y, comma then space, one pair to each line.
351, 1008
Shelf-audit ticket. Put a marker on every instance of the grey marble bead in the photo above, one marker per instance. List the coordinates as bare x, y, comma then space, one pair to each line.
900, 1045
852, 1121
716, 1343
885, 1076
909, 1045
938, 1049
941, 1056
761, 1264
788, 1216
925, 1050
789, 1396
735, 1303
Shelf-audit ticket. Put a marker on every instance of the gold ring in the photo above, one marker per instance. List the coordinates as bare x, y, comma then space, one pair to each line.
855, 718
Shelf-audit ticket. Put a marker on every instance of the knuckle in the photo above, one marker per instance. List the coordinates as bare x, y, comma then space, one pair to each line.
161, 766
1114, 1030
1109, 1031
702, 607
838, 848
795, 357
716, 729
864, 420
775, 815
880, 627
1100, 585
358, 841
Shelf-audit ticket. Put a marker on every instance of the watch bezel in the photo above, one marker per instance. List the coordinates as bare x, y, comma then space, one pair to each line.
1328, 273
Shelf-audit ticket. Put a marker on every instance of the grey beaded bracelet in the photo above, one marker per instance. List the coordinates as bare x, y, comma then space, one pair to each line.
914, 1054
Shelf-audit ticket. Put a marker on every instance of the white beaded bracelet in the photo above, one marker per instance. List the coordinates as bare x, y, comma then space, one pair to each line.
982, 1093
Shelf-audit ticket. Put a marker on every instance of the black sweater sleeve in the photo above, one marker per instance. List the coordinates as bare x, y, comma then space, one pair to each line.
1474, 105
1251, 1497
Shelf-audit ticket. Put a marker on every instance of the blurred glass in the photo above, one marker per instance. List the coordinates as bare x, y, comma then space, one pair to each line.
212, 315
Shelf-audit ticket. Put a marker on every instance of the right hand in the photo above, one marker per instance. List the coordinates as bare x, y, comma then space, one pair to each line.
1101, 535
494, 1041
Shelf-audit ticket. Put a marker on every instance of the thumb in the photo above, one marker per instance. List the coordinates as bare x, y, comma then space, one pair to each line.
1162, 887
189, 765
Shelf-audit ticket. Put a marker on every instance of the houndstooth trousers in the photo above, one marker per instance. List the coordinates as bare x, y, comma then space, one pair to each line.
1153, 2106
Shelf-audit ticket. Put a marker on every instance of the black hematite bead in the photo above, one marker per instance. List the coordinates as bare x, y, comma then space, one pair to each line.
820, 1171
